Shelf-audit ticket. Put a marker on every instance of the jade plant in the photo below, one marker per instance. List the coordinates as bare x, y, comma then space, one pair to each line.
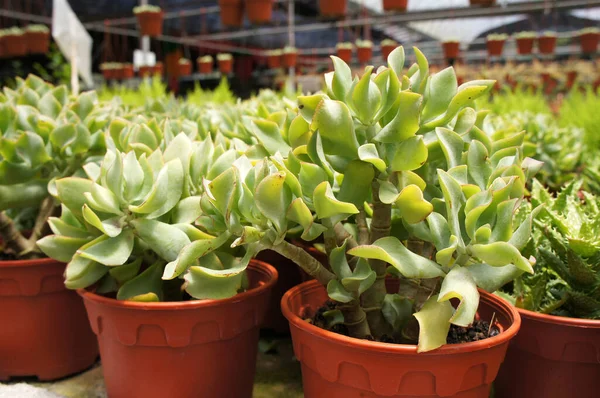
567, 245
45, 134
396, 176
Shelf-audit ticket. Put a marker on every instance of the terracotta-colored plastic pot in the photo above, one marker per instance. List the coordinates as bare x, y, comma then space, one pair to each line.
145, 71
364, 54
110, 74
2, 51
184, 69
289, 60
274, 61
552, 357
158, 69
37, 42
589, 42
332, 8
345, 54
484, 3
571, 77
451, 49
205, 67
386, 51
199, 348
150, 23
44, 330
127, 71
549, 83
395, 5
15, 45
259, 11
337, 366
547, 44
495, 47
232, 12
226, 66
525, 45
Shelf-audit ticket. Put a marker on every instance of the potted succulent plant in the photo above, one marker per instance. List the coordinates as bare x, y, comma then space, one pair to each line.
225, 62
274, 59
547, 43
525, 41
495, 44
364, 51
555, 353
259, 11
154, 308
387, 46
451, 49
150, 20
109, 70
205, 64
45, 134
14, 43
394, 172
185, 67
588, 39
333, 8
344, 51
38, 39
290, 57
231, 12
395, 5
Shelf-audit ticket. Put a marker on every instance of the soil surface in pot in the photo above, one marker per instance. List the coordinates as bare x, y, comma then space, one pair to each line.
479, 330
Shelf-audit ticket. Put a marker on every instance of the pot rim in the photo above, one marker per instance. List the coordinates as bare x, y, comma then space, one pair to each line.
561, 320
28, 263
256, 265
404, 349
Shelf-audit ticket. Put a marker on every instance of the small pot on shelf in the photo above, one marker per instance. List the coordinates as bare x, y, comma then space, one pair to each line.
225, 62
14, 41
525, 42
290, 57
150, 20
184, 67
274, 59
205, 64
495, 44
547, 43
127, 71
451, 49
588, 39
364, 51
387, 46
38, 39
344, 51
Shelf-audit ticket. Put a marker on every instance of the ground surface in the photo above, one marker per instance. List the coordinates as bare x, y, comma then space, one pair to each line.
277, 376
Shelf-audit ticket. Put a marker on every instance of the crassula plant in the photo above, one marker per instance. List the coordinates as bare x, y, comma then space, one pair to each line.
394, 173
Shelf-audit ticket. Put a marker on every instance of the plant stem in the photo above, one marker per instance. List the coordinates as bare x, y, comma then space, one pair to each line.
47, 208
330, 240
343, 235
363, 230
308, 263
356, 320
13, 239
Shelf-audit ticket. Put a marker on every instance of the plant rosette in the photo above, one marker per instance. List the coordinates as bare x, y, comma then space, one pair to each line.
274, 59
14, 43
588, 39
333, 8
150, 20
184, 67
547, 43
205, 64
395, 5
451, 49
225, 62
525, 42
290, 57
259, 11
344, 51
231, 12
38, 39
364, 51
495, 44
387, 46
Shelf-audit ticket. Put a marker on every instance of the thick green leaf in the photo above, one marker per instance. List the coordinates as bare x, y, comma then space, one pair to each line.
396, 60
368, 153
326, 204
146, 287
452, 145
269, 135
335, 125
406, 122
434, 324
338, 293
440, 90
413, 207
110, 251
82, 272
219, 276
366, 98
273, 197
192, 252
459, 284
397, 310
60, 248
165, 240
356, 186
499, 254
70, 193
410, 154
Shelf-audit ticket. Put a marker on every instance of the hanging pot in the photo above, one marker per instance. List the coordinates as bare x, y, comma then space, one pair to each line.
289, 59
37, 42
198, 348
525, 45
335, 366
364, 54
552, 357
44, 330
589, 42
232, 12
495, 47
451, 49
150, 23
259, 11
332, 8
547, 44
395, 5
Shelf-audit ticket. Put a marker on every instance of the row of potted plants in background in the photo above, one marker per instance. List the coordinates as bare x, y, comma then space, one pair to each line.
17, 42
421, 207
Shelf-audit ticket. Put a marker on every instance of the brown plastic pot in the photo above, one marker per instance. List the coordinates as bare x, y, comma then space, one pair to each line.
337, 366
225, 66
483, 3
495, 47
451, 49
345, 54
44, 330
274, 61
386, 51
127, 71
571, 77
205, 67
332, 8
15, 45
525, 45
547, 44
37, 42
259, 11
289, 60
199, 348
145, 71
364, 54
158, 69
150, 23
589, 42
184, 69
232, 12
395, 5
552, 357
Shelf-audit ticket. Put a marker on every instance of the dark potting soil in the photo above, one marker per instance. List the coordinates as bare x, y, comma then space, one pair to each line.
479, 330
7, 257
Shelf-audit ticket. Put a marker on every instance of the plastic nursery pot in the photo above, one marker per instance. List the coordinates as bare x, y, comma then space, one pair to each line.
44, 329
226, 66
589, 42
37, 42
274, 61
547, 44
127, 71
232, 12
364, 54
525, 45
571, 77
386, 50
205, 67
150, 23
484, 3
157, 69
15, 45
495, 47
332, 8
184, 69
395, 5
451, 49
338, 366
345, 54
289, 60
259, 11
552, 357
199, 348
145, 71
